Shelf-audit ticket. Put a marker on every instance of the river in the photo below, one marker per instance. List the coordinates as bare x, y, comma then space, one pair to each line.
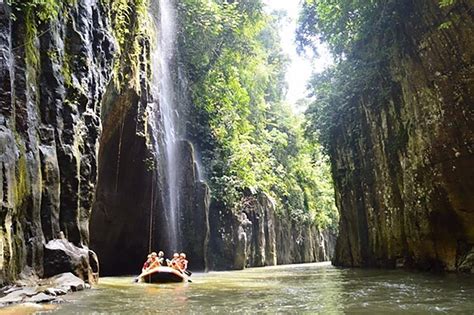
308, 288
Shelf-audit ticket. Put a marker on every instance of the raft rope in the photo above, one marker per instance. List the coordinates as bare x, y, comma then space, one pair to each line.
118, 156
151, 214
32, 40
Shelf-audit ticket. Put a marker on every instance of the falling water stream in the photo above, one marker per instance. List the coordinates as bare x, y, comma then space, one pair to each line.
163, 90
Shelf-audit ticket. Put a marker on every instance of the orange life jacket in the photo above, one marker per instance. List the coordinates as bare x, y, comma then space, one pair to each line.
183, 264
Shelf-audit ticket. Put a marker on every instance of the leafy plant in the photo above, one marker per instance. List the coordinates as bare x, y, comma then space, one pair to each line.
45, 10
249, 139
131, 27
446, 3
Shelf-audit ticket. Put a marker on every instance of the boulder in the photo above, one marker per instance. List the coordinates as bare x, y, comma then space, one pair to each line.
18, 295
55, 291
61, 256
39, 298
45, 290
467, 262
67, 282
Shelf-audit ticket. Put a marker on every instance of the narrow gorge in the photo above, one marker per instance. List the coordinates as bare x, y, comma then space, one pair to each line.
134, 126
98, 151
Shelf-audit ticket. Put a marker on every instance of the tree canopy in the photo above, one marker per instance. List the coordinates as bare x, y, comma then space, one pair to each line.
248, 137
363, 36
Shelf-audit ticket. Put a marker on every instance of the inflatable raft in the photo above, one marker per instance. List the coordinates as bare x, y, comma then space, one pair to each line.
163, 275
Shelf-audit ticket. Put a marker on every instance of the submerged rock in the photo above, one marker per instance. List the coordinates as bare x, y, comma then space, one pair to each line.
467, 262
55, 291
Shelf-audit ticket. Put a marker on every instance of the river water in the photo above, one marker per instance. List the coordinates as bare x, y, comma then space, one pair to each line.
309, 288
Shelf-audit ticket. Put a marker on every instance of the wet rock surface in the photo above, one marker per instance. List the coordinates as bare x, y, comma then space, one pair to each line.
42, 291
62, 256
78, 157
257, 236
51, 90
194, 208
123, 197
403, 168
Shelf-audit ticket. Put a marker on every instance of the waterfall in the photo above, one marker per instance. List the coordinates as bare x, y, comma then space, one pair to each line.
165, 113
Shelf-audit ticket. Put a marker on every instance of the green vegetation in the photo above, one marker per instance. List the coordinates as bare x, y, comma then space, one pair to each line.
351, 29
129, 20
446, 3
45, 10
363, 36
33, 12
30, 49
249, 139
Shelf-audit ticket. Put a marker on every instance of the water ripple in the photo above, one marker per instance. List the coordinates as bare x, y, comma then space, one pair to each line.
306, 289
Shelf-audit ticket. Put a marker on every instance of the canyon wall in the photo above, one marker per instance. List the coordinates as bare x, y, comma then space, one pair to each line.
79, 153
53, 76
257, 235
404, 167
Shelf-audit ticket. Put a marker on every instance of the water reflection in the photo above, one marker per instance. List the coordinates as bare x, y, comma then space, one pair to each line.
311, 288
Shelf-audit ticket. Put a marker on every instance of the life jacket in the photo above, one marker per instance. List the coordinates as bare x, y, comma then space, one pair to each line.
155, 263
147, 264
175, 263
183, 264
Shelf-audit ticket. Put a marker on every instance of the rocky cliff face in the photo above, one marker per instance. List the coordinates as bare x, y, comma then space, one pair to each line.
256, 236
403, 168
53, 76
77, 156
120, 219
129, 219
194, 204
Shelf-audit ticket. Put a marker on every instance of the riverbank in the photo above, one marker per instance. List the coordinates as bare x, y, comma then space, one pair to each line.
32, 290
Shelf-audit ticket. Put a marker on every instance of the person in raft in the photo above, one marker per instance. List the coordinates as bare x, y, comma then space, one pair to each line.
173, 263
179, 263
161, 258
155, 262
182, 262
151, 262
147, 263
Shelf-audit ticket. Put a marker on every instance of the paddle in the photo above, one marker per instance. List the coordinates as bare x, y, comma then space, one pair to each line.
143, 274
137, 278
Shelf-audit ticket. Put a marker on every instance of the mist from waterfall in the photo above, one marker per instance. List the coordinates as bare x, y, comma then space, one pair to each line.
165, 112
